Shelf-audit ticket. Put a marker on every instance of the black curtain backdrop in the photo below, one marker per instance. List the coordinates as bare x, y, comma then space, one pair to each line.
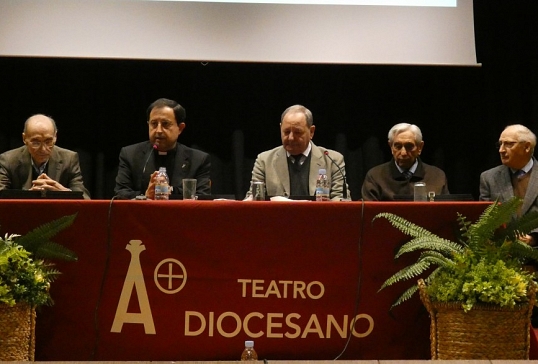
233, 109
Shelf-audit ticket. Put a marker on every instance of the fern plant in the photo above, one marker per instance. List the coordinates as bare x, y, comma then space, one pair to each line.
25, 270
39, 244
484, 265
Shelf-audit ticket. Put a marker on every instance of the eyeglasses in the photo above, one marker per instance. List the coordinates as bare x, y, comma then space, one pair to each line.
165, 124
36, 144
507, 144
407, 146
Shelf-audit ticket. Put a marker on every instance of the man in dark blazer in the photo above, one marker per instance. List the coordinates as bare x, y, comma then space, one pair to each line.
518, 174
139, 163
40, 164
398, 177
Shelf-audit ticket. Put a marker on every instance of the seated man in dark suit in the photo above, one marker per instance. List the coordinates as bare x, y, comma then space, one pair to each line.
40, 164
139, 163
398, 177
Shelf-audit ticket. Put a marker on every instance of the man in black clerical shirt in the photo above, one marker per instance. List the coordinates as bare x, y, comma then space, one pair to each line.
139, 163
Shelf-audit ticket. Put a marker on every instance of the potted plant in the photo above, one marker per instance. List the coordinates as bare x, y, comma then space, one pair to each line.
25, 277
479, 281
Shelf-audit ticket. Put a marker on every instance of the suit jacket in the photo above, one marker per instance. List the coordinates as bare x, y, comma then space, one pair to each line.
497, 183
384, 181
136, 166
271, 167
63, 167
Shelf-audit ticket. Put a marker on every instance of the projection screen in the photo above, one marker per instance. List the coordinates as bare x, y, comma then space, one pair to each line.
417, 32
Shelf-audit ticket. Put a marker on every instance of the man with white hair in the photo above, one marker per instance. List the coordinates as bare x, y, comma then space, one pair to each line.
518, 174
398, 177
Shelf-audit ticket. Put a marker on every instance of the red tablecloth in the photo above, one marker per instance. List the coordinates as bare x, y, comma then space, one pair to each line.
191, 280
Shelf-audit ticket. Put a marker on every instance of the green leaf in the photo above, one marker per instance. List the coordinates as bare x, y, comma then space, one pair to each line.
404, 225
405, 296
521, 226
493, 217
407, 273
412, 271
35, 240
484, 265
52, 250
430, 243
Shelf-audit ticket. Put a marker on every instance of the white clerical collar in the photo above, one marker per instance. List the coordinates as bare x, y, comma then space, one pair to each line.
167, 151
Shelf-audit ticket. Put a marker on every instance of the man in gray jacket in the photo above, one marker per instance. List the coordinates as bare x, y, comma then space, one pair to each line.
518, 174
292, 168
40, 164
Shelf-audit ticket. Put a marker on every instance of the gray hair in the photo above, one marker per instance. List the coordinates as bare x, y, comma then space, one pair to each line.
401, 127
299, 109
524, 134
36, 115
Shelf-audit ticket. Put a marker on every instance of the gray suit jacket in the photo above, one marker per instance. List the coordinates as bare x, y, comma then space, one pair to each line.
271, 167
64, 167
497, 183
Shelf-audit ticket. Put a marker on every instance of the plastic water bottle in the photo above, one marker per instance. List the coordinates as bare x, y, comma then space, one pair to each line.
249, 354
162, 185
322, 186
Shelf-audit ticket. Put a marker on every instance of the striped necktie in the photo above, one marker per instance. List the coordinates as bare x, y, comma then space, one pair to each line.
519, 173
407, 174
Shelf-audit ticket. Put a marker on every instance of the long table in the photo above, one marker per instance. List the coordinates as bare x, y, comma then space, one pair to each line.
192, 280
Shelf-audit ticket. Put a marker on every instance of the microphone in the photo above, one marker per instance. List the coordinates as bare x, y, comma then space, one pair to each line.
154, 147
344, 188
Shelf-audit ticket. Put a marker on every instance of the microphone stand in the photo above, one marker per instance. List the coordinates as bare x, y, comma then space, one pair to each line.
344, 187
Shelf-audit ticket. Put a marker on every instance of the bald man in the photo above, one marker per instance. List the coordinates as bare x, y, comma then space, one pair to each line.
40, 164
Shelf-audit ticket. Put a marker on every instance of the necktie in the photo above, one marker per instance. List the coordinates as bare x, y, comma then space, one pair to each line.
407, 174
519, 173
297, 159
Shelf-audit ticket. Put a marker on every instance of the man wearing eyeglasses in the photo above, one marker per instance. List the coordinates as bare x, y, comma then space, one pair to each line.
40, 164
139, 163
398, 177
518, 174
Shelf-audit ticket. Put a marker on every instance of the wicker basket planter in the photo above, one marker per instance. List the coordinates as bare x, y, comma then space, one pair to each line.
485, 332
17, 332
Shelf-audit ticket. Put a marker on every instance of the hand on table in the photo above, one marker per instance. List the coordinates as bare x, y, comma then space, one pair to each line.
44, 182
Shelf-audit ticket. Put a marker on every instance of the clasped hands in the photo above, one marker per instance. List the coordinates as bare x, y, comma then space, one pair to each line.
44, 182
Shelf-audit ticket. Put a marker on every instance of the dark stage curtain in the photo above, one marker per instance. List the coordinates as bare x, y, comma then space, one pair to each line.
233, 109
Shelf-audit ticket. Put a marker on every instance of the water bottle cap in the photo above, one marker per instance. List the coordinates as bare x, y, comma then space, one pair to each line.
249, 344
322, 171
162, 169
